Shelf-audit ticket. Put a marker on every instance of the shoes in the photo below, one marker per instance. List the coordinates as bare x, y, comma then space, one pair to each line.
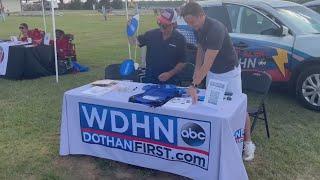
248, 151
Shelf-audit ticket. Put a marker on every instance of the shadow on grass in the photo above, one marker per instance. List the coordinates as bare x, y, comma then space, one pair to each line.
87, 167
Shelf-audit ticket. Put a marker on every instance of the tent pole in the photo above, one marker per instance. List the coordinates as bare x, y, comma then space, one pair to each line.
129, 48
54, 40
135, 49
44, 17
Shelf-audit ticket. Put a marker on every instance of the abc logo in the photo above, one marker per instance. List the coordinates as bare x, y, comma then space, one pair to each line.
193, 134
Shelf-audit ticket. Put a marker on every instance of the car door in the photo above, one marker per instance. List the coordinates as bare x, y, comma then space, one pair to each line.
259, 42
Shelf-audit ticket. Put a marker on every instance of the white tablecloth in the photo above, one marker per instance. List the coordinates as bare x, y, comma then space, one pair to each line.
199, 143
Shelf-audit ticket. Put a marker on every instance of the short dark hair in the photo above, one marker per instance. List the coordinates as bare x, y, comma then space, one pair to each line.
25, 25
193, 9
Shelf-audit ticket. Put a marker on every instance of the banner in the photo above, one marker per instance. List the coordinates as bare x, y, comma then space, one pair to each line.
4, 55
165, 137
199, 142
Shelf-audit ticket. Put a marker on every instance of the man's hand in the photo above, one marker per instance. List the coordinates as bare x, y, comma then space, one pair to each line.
165, 76
197, 77
192, 91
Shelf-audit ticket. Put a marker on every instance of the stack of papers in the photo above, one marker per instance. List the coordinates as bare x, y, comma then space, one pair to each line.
105, 83
179, 103
97, 91
101, 87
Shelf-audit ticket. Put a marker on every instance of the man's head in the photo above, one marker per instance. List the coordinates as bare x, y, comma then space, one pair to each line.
194, 15
167, 20
59, 34
23, 28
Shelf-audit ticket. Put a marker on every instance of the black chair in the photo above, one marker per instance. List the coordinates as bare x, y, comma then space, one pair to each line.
113, 72
185, 77
257, 83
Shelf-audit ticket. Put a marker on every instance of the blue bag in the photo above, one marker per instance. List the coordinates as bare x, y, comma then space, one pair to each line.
126, 67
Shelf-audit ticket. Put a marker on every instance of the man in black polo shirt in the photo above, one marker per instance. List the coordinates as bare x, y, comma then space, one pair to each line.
216, 59
165, 49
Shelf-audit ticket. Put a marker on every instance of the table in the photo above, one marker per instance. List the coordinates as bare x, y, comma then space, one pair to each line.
26, 62
199, 143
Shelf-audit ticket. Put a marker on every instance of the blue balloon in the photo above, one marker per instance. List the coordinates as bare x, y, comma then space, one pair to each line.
132, 27
127, 67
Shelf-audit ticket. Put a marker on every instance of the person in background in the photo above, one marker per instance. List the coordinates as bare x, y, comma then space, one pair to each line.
66, 51
36, 35
165, 56
104, 12
2, 12
216, 59
24, 32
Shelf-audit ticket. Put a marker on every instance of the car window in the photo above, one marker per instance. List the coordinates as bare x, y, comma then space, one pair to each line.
272, 17
253, 22
304, 19
233, 12
219, 13
269, 15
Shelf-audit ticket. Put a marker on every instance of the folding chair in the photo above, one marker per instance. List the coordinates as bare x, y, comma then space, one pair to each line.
186, 75
258, 83
113, 72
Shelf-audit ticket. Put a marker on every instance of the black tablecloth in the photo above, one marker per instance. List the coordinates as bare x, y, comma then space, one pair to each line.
30, 62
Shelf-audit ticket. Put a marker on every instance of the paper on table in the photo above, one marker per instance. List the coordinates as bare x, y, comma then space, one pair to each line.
105, 83
179, 103
97, 90
215, 93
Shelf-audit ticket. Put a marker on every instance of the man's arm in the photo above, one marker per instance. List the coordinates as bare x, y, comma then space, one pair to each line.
209, 57
201, 72
178, 68
199, 58
169, 74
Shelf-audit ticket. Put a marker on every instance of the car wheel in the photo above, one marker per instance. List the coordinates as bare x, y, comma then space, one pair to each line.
308, 88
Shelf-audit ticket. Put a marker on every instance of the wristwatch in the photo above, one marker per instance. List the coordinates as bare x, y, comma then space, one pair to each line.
194, 85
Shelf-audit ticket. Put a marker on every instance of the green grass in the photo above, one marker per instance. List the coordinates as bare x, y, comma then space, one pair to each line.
30, 116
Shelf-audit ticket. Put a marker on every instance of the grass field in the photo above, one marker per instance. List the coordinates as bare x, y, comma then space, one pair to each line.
30, 116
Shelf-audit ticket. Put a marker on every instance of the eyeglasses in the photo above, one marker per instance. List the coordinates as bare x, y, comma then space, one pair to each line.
21, 27
163, 26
